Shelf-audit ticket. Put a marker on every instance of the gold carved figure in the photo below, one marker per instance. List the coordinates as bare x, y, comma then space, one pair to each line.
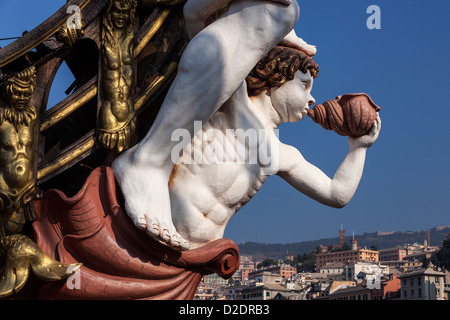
18, 253
17, 174
117, 114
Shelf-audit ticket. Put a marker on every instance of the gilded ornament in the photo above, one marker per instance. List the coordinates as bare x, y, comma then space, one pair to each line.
17, 156
117, 114
21, 256
72, 30
18, 253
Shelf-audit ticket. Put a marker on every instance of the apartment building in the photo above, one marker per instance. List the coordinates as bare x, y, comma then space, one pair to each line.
246, 266
423, 284
393, 254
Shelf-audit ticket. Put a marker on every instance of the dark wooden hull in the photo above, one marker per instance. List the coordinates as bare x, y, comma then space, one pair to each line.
68, 149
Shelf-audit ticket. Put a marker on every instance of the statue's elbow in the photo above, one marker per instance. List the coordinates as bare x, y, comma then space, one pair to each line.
340, 202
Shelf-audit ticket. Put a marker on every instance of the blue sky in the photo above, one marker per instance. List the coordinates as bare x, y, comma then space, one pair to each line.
404, 67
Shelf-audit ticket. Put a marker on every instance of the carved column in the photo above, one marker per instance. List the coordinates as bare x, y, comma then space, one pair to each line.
117, 115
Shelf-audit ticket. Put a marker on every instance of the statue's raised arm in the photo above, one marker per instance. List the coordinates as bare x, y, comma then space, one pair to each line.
200, 13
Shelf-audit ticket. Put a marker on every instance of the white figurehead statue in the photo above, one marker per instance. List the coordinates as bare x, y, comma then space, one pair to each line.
186, 202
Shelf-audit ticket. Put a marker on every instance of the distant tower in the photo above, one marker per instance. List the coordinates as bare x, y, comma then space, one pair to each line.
341, 237
354, 243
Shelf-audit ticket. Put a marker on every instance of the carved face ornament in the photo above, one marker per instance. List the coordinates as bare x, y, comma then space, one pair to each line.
18, 92
120, 14
19, 89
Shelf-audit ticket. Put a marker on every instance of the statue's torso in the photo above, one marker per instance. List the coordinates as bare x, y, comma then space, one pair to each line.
16, 156
208, 187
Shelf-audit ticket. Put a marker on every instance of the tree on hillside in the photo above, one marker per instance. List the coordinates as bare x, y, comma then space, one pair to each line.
307, 262
345, 247
267, 263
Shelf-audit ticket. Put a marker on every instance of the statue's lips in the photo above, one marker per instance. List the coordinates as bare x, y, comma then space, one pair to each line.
120, 22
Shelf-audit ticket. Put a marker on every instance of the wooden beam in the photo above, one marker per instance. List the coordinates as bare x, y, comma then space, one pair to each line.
48, 28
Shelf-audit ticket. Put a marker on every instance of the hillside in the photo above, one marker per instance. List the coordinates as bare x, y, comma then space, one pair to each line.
382, 240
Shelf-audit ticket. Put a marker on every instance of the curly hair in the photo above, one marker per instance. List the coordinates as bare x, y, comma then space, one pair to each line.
277, 67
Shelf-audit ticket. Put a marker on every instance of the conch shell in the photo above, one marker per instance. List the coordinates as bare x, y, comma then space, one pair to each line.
348, 115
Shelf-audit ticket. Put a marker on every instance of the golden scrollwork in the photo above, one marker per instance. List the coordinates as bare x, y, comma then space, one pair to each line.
117, 114
21, 256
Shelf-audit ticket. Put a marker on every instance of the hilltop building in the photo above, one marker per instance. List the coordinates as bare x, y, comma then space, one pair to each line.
354, 255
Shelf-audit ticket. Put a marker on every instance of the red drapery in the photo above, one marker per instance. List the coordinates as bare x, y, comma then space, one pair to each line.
119, 260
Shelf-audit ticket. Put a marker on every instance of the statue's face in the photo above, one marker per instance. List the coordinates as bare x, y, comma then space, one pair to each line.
20, 97
120, 16
292, 99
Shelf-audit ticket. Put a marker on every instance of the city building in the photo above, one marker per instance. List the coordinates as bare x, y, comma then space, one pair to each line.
447, 291
289, 257
422, 255
283, 271
390, 288
333, 269
246, 266
213, 281
423, 284
393, 254
317, 289
411, 265
233, 291
371, 272
357, 292
268, 291
263, 276
346, 257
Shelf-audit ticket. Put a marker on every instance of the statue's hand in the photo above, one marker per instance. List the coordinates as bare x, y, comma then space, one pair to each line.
367, 140
293, 41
